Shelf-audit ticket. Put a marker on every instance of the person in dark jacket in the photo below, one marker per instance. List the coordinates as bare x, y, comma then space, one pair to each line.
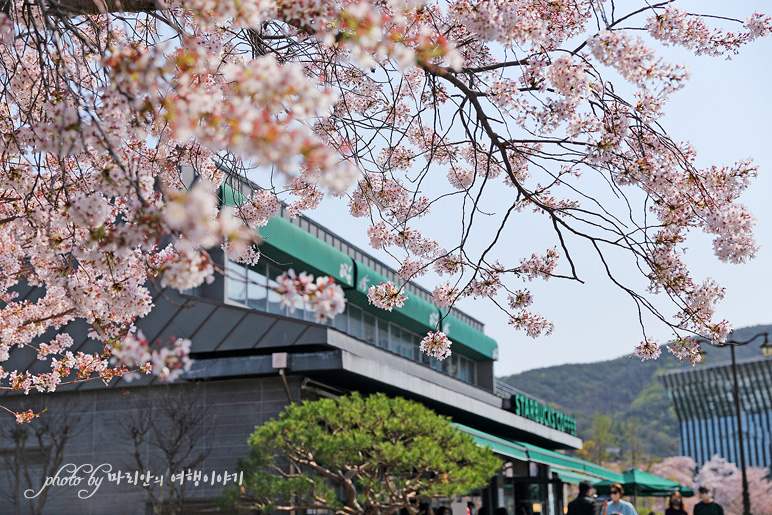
707, 506
583, 504
676, 505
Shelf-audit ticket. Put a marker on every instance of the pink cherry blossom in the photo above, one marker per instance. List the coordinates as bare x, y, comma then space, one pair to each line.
436, 345
648, 349
323, 296
386, 296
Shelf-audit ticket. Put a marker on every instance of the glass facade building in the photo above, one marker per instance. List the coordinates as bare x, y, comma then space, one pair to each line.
704, 403
253, 287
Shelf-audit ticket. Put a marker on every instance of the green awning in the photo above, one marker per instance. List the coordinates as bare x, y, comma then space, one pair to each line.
562, 461
231, 197
568, 476
639, 482
422, 316
292, 247
459, 331
498, 445
568, 469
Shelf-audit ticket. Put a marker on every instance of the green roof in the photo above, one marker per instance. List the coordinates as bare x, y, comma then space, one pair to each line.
292, 247
421, 316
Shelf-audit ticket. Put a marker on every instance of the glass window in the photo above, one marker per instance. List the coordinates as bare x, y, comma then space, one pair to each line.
341, 321
383, 333
368, 321
457, 366
274, 299
355, 322
298, 312
310, 315
236, 282
463, 368
395, 338
256, 292
447, 365
406, 346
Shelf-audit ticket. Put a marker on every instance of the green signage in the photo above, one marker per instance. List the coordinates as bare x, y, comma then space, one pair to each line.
542, 414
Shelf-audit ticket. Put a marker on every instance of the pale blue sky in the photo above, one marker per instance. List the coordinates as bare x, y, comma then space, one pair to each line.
726, 112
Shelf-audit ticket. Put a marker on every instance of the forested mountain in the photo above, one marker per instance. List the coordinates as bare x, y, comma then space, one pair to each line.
625, 393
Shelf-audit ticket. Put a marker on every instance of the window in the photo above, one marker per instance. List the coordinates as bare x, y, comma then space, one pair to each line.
383, 333
340, 322
355, 327
253, 287
256, 292
369, 325
310, 315
406, 346
274, 299
236, 283
395, 338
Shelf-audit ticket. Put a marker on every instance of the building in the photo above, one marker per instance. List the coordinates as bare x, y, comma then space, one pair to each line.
704, 403
253, 356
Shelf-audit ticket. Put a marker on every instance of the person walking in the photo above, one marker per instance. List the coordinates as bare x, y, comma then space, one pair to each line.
707, 506
675, 505
583, 504
617, 505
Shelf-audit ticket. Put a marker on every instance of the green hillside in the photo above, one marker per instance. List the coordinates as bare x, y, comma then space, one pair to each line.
624, 389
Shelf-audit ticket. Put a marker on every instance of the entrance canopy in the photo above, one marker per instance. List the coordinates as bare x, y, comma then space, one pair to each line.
567, 468
638, 482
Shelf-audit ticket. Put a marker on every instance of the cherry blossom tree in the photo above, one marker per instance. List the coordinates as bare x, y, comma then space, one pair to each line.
724, 480
494, 110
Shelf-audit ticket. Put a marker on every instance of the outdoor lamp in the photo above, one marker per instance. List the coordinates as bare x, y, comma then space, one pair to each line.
766, 347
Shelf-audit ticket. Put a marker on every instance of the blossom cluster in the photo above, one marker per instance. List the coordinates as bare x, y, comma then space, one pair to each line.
685, 349
386, 296
636, 62
524, 23
532, 323
322, 296
540, 266
648, 349
135, 353
445, 295
675, 26
436, 344
389, 197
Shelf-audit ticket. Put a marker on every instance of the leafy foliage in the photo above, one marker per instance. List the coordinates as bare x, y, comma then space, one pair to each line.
359, 455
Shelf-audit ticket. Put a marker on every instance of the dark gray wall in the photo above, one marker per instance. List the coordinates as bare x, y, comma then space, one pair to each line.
231, 409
